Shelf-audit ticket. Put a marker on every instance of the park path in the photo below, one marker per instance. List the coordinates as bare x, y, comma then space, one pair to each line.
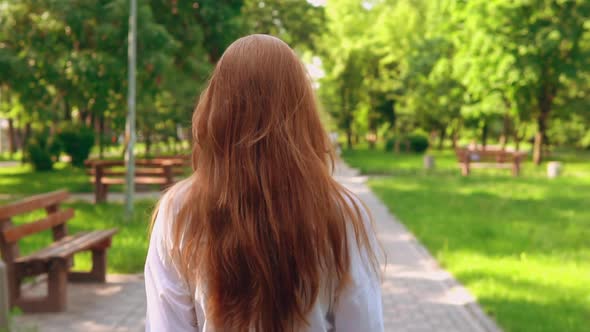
418, 296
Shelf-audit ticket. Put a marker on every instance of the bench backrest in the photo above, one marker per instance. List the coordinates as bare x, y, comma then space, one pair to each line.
55, 219
495, 155
175, 163
161, 168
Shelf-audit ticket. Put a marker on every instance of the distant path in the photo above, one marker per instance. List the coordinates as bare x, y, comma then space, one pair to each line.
10, 163
418, 295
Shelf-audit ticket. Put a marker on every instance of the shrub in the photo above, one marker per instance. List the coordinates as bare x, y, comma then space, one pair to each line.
390, 143
43, 151
418, 142
415, 142
77, 142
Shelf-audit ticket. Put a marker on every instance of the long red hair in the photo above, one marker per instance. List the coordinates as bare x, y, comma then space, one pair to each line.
263, 224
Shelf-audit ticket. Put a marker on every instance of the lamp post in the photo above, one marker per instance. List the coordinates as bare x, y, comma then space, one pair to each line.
130, 124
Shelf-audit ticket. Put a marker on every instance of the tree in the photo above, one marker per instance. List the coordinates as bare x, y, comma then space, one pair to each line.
297, 22
530, 49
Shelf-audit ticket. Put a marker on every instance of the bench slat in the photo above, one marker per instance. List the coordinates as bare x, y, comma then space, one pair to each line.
138, 180
490, 165
15, 233
138, 172
32, 203
69, 245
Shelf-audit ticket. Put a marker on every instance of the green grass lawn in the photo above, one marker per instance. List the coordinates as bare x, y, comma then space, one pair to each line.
521, 245
129, 246
6, 156
23, 180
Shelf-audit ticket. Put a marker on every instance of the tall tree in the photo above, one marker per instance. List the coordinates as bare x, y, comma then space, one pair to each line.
533, 48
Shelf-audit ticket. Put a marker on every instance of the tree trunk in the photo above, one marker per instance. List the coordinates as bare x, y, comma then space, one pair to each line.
67, 109
505, 131
545, 109
484, 134
25, 139
18, 138
27, 133
518, 137
455, 134
101, 135
349, 138
441, 138
517, 140
538, 148
11, 137
148, 144
455, 137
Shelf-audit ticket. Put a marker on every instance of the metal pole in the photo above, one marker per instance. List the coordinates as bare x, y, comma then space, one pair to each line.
130, 125
4, 305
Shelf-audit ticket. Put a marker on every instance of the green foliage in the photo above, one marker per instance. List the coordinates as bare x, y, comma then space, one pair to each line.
42, 151
390, 143
415, 142
418, 142
77, 142
523, 58
284, 20
63, 62
505, 67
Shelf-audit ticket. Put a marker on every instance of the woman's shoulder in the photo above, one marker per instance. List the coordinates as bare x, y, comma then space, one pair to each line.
173, 199
168, 208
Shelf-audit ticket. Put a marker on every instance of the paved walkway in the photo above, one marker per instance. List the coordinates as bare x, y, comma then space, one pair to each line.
9, 163
117, 306
418, 296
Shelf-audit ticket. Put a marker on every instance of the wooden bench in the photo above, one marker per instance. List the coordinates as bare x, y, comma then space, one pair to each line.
489, 158
56, 259
179, 160
104, 173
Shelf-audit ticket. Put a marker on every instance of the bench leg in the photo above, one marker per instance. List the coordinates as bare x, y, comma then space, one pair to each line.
101, 194
516, 169
465, 169
13, 285
98, 272
57, 283
56, 299
97, 192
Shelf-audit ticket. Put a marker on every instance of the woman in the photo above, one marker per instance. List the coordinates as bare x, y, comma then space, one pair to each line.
261, 237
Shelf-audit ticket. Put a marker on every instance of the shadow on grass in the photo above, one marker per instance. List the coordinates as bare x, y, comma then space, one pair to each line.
505, 217
23, 180
548, 309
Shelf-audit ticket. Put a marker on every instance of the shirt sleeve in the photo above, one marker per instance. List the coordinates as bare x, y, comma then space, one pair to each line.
359, 304
170, 304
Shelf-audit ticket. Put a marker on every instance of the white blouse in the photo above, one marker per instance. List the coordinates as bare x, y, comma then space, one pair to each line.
172, 307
